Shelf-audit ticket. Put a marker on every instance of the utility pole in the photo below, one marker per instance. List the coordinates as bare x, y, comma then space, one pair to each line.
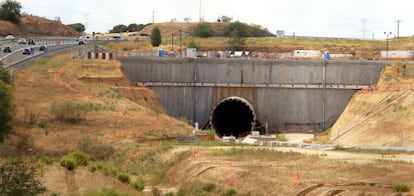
153, 17
180, 42
398, 28
388, 34
364, 28
172, 42
199, 12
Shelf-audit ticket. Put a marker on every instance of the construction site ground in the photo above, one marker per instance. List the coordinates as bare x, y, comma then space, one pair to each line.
131, 121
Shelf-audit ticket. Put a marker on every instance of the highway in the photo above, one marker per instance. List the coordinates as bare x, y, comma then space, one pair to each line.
16, 56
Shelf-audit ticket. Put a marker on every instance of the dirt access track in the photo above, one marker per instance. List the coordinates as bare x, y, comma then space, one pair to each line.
293, 171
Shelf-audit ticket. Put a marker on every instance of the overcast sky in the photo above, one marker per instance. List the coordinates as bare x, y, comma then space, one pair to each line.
334, 18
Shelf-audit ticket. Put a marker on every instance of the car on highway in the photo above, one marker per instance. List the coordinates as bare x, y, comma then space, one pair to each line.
22, 41
7, 49
9, 37
43, 48
81, 42
31, 42
26, 51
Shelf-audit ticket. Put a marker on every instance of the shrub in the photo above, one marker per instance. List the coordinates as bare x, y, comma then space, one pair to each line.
139, 184
209, 187
74, 159
123, 177
46, 160
102, 151
401, 188
155, 36
20, 178
229, 192
67, 112
203, 30
6, 109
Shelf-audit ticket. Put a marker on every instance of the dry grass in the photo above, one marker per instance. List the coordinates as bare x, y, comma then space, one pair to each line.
361, 48
63, 79
391, 102
258, 170
36, 26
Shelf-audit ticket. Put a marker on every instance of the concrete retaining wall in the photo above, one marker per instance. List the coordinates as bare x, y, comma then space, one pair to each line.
279, 107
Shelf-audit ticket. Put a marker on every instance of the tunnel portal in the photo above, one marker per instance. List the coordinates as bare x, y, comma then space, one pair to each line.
233, 116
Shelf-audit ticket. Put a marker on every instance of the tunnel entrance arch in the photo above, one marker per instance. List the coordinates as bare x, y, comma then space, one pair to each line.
233, 116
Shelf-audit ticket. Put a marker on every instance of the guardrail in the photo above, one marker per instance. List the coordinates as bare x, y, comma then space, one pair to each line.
64, 43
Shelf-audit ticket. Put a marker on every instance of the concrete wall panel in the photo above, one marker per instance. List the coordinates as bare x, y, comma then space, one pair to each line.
276, 106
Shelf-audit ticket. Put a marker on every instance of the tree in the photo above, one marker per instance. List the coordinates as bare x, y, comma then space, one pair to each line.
155, 36
237, 33
141, 26
132, 27
225, 18
10, 11
19, 178
5, 103
187, 19
257, 31
203, 30
4, 75
79, 27
119, 28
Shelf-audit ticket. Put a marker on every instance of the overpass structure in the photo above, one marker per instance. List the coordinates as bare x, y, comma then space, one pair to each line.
235, 96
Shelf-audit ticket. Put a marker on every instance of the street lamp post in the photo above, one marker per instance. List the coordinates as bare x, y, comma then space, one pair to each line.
388, 34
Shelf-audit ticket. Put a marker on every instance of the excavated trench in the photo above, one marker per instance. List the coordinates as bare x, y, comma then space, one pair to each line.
233, 116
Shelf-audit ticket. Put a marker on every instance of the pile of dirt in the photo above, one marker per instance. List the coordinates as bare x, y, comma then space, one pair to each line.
36, 26
380, 116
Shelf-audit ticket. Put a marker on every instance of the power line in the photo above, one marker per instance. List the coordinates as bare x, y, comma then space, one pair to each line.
364, 28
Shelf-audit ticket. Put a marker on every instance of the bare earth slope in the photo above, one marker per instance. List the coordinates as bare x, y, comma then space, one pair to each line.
379, 117
97, 86
36, 26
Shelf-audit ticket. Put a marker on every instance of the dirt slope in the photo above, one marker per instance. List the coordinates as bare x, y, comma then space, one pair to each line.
380, 117
36, 26
113, 119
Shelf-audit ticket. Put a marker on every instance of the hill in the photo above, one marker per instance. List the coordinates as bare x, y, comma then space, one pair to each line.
36, 26
187, 28
379, 117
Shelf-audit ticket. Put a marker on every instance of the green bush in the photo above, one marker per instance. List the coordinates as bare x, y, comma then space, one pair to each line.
209, 187
139, 184
229, 192
123, 177
401, 188
74, 159
46, 160
203, 30
6, 109
20, 178
156, 37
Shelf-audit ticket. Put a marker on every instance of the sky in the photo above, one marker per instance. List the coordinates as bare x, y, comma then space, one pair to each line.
367, 19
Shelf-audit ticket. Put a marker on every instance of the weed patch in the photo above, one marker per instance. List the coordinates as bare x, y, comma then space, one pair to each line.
74, 159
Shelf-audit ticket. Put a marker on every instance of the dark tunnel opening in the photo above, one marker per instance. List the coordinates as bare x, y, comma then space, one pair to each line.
233, 116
